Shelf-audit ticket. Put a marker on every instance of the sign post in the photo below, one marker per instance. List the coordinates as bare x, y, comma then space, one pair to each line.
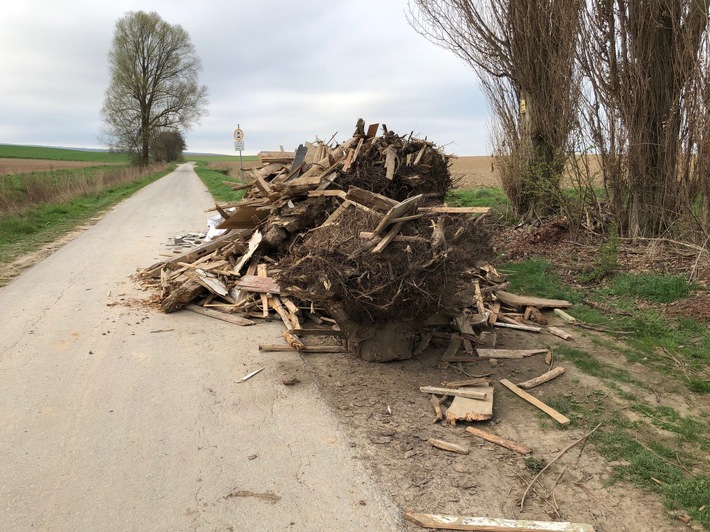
239, 146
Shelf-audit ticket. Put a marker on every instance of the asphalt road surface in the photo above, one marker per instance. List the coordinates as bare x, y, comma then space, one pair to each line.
117, 417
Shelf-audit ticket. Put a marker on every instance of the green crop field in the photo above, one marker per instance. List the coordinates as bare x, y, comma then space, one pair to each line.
14, 151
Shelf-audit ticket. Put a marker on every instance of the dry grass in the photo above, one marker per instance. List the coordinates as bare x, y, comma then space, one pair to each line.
23, 166
21, 192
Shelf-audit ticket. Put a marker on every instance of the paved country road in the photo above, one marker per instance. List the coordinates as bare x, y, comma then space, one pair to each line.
107, 424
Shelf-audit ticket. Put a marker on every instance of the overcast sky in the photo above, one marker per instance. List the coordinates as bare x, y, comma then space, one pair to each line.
287, 72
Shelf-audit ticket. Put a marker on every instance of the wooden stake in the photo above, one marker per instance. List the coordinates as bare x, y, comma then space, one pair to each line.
545, 377
447, 446
508, 444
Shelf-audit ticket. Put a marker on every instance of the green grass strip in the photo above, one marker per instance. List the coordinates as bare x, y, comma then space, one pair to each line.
214, 181
45, 223
60, 154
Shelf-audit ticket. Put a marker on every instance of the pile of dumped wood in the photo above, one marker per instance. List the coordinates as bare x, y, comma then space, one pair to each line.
356, 239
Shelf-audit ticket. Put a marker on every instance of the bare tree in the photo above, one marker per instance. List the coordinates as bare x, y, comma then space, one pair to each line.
154, 84
647, 66
524, 54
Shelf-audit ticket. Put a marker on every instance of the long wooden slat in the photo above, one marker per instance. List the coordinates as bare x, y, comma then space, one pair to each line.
509, 353
455, 392
492, 524
515, 300
229, 318
554, 414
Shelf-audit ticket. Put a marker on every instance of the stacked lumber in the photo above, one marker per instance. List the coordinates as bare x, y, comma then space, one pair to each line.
356, 238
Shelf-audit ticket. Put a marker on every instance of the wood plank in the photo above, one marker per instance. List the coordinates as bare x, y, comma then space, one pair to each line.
212, 284
391, 234
419, 155
330, 193
491, 524
306, 349
203, 249
259, 284
447, 446
545, 377
479, 381
503, 442
397, 211
318, 332
367, 235
276, 156
528, 328
455, 210
229, 318
245, 217
371, 199
261, 271
464, 409
458, 392
390, 162
509, 353
559, 333
562, 314
554, 414
372, 130
253, 245
516, 301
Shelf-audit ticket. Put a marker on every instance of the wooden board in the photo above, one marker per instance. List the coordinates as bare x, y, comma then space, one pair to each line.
456, 210
468, 393
554, 414
370, 199
390, 162
259, 284
509, 353
514, 300
463, 409
254, 242
528, 328
245, 217
491, 524
229, 318
396, 212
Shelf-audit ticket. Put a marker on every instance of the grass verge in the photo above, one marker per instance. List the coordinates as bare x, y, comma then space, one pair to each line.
214, 181
649, 444
45, 223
